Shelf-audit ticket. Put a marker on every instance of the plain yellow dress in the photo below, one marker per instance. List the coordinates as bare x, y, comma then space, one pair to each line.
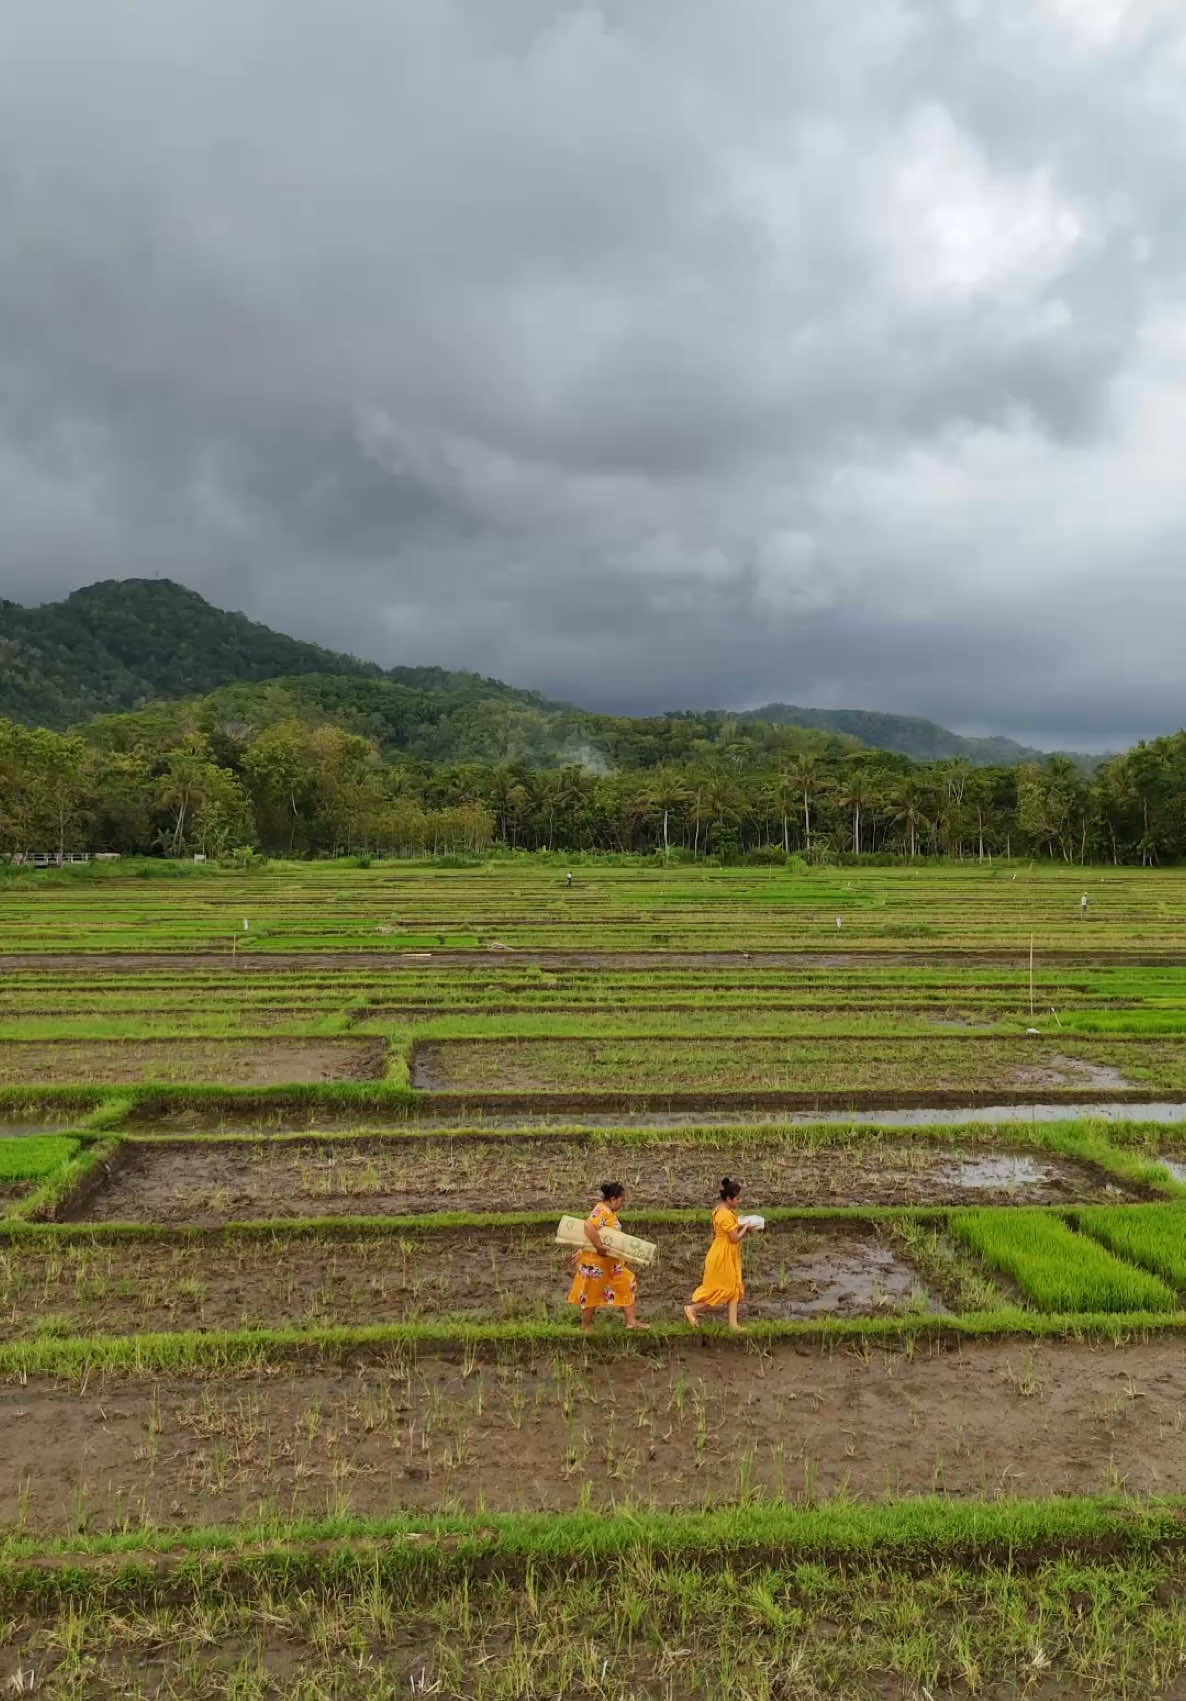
722, 1268
601, 1280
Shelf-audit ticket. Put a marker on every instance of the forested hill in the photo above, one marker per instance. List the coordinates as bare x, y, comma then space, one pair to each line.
163, 653
459, 725
123, 643
924, 740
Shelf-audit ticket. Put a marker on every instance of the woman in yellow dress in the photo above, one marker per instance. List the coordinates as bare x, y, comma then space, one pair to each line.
599, 1278
722, 1284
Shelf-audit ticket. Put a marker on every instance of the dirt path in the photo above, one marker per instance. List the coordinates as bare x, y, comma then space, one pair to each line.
673, 1427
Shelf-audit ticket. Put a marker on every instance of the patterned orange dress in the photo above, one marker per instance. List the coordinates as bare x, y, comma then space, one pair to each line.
601, 1280
722, 1268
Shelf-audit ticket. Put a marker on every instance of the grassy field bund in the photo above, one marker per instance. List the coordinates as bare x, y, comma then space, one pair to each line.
291, 1400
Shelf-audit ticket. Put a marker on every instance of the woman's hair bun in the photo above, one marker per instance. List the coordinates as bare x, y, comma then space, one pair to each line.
729, 1187
611, 1189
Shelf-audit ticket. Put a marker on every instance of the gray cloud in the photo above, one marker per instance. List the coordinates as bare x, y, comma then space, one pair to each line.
654, 354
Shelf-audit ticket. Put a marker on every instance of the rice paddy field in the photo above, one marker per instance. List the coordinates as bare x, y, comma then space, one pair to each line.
292, 1403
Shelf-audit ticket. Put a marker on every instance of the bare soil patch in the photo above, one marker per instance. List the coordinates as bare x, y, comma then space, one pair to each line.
240, 1063
229, 1283
216, 1181
668, 1426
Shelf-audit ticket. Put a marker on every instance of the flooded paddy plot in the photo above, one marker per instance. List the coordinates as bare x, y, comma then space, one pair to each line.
214, 1181
34, 1130
890, 1062
226, 1062
287, 1119
793, 1270
665, 1426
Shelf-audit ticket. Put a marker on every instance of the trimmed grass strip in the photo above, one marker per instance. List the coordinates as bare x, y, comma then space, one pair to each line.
77, 1357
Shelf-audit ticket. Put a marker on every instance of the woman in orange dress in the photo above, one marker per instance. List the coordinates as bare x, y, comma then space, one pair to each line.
599, 1278
722, 1284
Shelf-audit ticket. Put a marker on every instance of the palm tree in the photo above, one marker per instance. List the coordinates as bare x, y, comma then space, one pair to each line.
805, 774
722, 803
858, 790
910, 799
667, 791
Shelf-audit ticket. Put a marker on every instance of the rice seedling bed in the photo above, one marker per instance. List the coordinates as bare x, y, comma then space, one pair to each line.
1058, 1269
1151, 1236
678, 1425
27, 1159
212, 1180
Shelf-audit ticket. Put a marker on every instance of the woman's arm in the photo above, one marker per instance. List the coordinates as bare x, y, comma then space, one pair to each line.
594, 1233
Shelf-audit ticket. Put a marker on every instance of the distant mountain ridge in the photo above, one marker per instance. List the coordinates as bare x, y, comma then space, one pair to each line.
909, 735
120, 644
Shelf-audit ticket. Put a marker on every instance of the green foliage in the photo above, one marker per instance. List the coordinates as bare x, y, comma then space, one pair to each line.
1057, 1269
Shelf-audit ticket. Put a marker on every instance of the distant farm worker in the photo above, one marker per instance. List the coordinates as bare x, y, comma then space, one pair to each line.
568, 879
722, 1284
598, 1277
1083, 906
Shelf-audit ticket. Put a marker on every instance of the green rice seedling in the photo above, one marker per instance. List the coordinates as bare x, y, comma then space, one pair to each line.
1056, 1269
32, 1157
1153, 1236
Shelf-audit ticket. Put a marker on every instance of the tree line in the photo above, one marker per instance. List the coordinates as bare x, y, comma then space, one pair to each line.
293, 788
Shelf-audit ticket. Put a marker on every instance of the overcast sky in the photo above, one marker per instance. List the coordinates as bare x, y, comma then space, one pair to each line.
654, 353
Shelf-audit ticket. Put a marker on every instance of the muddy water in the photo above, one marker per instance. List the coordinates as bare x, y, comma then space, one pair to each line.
850, 1281
19, 1130
920, 1116
993, 1171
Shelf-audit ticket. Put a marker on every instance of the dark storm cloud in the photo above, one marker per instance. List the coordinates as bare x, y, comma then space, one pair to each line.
653, 354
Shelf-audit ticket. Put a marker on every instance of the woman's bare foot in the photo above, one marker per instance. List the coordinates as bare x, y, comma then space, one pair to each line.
643, 1326
691, 1316
737, 1328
